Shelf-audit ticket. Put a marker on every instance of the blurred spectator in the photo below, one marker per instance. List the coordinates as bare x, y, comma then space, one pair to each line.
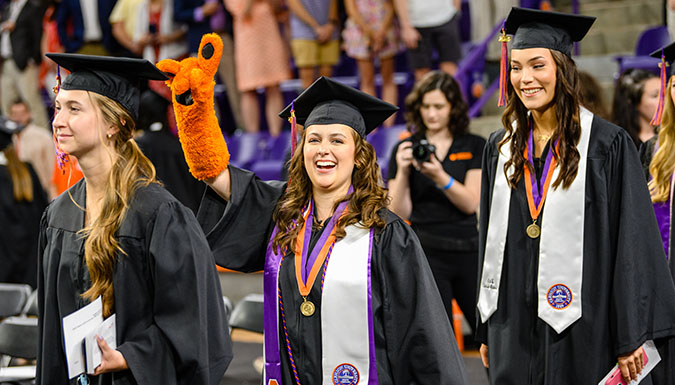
22, 201
34, 143
204, 16
428, 25
591, 95
636, 96
261, 60
84, 27
314, 38
50, 43
20, 39
670, 18
148, 30
164, 151
123, 20
370, 33
485, 15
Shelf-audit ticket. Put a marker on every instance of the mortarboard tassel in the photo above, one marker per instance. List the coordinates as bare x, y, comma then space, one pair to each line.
504, 39
57, 87
656, 120
294, 129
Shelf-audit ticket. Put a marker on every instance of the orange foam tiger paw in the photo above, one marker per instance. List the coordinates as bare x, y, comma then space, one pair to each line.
191, 83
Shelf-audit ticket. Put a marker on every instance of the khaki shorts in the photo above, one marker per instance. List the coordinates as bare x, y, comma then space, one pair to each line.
309, 53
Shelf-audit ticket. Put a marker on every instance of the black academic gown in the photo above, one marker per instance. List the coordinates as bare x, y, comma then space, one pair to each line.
664, 373
20, 228
164, 151
413, 338
627, 297
171, 324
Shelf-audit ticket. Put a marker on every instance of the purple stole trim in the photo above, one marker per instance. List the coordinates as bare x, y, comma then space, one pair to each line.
271, 320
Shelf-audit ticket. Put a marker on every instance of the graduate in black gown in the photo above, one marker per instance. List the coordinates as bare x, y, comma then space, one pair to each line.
119, 235
573, 274
22, 200
658, 164
349, 295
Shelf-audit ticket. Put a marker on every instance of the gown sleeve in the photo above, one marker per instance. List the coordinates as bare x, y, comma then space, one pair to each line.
643, 296
238, 231
188, 337
421, 346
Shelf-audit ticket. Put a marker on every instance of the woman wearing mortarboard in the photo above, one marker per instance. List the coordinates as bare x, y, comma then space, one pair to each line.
349, 296
118, 235
658, 161
573, 274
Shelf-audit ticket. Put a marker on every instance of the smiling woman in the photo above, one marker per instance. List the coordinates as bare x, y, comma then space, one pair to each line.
374, 315
568, 243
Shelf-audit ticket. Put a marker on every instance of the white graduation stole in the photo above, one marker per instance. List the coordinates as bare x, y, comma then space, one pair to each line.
345, 308
560, 245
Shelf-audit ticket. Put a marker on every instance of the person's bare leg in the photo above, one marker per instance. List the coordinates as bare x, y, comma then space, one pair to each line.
274, 104
420, 72
389, 87
250, 111
448, 67
367, 75
307, 76
326, 70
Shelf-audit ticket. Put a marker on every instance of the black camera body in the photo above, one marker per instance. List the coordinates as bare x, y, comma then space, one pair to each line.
422, 150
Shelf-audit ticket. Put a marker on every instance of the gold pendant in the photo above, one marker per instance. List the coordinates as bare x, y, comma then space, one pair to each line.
533, 231
307, 308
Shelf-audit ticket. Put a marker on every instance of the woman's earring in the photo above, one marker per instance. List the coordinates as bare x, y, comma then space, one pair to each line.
109, 136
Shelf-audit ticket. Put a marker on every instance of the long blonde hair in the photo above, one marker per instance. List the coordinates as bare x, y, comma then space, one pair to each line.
663, 164
22, 183
365, 203
130, 171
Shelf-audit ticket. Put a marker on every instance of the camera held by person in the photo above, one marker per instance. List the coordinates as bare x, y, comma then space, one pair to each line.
422, 150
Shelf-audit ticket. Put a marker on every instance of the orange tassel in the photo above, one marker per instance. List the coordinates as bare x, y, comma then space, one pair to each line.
504, 39
656, 120
294, 129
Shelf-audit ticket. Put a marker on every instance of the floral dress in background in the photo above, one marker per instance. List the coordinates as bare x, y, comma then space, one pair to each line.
356, 43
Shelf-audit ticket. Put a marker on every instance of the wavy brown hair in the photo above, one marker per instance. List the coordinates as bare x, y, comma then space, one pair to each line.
568, 131
22, 183
663, 164
365, 203
437, 80
130, 171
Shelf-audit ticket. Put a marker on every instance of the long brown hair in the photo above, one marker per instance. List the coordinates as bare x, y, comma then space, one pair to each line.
368, 198
568, 131
458, 123
22, 183
130, 171
663, 164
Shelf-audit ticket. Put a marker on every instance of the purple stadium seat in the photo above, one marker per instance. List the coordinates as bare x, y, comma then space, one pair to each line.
246, 148
649, 40
268, 169
385, 138
277, 147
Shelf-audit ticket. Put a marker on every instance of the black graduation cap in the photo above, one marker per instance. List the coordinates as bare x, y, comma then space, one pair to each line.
532, 28
328, 101
7, 129
115, 77
668, 54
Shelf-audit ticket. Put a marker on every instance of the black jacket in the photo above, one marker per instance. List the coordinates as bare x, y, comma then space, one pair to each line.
27, 34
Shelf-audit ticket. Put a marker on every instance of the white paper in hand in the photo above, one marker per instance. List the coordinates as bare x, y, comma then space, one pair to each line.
92, 353
651, 358
76, 326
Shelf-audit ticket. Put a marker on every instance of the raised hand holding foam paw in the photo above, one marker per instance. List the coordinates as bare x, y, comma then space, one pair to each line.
191, 83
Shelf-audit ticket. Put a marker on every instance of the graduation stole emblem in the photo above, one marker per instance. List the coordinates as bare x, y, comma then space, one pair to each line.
561, 242
346, 303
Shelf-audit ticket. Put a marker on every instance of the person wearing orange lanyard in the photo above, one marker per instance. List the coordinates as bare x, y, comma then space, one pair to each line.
439, 193
349, 295
573, 276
